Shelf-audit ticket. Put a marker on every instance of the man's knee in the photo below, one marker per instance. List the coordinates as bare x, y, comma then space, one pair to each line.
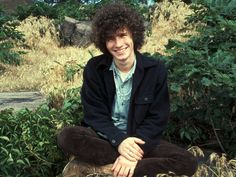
72, 133
192, 165
64, 136
189, 164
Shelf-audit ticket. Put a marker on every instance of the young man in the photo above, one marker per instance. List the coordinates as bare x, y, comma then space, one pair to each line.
126, 104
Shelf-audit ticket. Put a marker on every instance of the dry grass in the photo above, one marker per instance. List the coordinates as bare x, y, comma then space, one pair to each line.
168, 22
43, 71
43, 66
215, 165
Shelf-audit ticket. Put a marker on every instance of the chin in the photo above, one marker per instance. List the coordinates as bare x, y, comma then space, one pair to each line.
123, 59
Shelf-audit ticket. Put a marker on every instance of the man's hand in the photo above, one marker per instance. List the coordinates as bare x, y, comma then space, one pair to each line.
130, 149
123, 167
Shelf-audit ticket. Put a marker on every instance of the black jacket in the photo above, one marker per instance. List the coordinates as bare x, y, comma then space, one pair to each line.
149, 102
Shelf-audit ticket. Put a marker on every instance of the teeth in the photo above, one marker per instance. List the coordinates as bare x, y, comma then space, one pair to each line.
120, 50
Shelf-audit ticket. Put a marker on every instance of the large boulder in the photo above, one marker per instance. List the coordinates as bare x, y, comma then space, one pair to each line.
74, 32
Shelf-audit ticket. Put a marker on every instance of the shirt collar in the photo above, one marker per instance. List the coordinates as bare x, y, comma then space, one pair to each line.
116, 70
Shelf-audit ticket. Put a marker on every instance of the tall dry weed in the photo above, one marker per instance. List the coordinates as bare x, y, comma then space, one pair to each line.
216, 165
168, 22
56, 80
45, 71
39, 32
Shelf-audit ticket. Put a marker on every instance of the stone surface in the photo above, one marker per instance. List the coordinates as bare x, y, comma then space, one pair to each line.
74, 32
19, 100
74, 168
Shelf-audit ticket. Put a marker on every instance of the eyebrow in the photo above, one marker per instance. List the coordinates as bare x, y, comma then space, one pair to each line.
122, 32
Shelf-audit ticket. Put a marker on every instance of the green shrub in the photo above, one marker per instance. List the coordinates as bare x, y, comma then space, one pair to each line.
202, 73
75, 10
71, 70
36, 9
28, 139
9, 38
71, 8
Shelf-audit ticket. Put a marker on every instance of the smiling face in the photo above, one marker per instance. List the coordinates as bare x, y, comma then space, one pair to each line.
121, 47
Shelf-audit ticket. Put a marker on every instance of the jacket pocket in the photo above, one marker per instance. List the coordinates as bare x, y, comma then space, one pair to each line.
142, 104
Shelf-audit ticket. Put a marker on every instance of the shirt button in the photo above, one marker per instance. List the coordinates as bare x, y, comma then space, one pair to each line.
146, 99
113, 141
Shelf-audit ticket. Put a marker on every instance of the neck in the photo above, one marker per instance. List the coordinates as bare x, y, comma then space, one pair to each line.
125, 67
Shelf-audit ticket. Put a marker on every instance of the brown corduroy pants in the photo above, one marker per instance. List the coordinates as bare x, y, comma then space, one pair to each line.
85, 144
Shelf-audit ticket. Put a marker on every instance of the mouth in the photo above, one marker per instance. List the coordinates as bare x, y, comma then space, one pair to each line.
120, 51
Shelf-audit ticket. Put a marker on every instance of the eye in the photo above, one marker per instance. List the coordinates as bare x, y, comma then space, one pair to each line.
110, 38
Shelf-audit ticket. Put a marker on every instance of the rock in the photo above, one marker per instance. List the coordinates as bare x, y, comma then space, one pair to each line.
74, 32
67, 28
80, 169
20, 100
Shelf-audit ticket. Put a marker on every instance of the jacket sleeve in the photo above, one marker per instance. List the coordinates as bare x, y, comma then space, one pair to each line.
151, 128
96, 110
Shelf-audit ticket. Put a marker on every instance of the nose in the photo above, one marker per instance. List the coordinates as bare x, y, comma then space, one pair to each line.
118, 42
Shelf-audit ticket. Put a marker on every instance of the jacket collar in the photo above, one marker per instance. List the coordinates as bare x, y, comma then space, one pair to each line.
144, 62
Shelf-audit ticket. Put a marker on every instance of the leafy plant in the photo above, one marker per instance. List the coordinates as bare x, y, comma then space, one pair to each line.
9, 38
202, 73
28, 141
71, 70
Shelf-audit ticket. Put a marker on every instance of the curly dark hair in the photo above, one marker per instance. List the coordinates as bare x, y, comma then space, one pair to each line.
113, 17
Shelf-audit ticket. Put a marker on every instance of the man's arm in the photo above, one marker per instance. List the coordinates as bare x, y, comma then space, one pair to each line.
129, 148
123, 167
153, 125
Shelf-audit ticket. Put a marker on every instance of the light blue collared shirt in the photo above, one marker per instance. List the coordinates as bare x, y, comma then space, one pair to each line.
120, 107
